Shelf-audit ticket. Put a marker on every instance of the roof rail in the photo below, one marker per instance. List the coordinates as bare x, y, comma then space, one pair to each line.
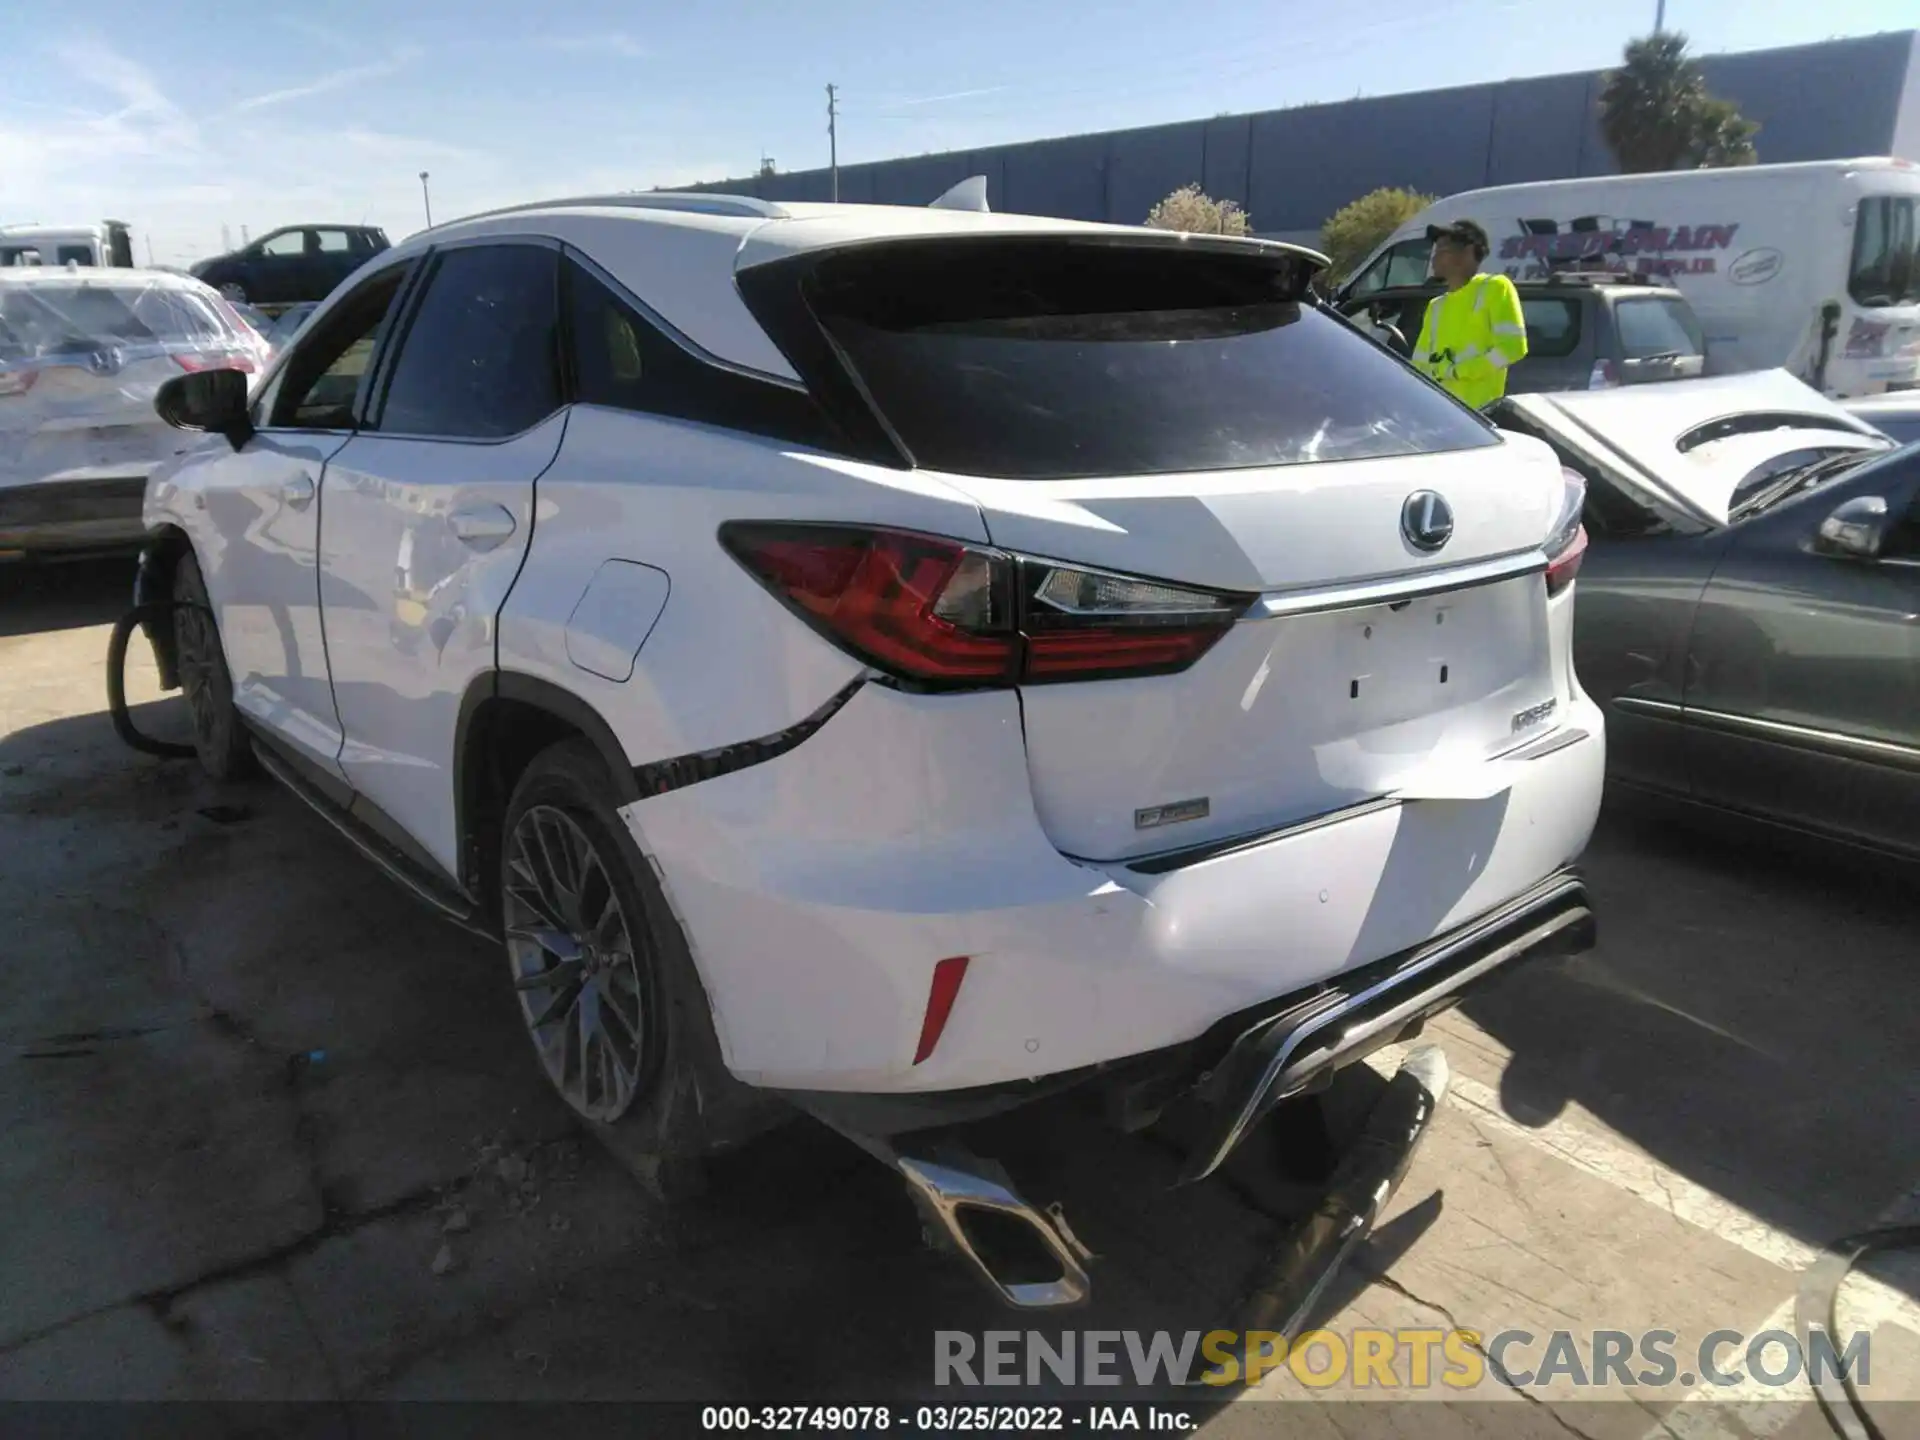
744, 206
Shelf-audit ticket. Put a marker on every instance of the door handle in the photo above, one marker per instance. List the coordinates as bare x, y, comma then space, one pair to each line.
482, 526
298, 492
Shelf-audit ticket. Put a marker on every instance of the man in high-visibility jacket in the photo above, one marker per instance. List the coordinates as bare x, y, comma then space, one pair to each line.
1474, 332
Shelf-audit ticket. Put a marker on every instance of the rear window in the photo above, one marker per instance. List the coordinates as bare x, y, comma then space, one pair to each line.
1657, 327
1051, 360
57, 319
1553, 327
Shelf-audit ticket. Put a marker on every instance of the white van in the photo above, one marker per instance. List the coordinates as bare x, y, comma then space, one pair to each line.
1808, 267
107, 243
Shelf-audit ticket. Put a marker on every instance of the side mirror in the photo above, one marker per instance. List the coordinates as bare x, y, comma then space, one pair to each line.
211, 400
1855, 530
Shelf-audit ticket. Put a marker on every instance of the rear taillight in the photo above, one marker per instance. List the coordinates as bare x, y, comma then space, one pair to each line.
943, 613
1567, 541
195, 361
17, 382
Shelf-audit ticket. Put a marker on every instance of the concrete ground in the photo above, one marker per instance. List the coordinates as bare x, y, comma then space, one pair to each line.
270, 1131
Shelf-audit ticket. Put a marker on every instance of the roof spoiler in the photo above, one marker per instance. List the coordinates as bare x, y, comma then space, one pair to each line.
969, 194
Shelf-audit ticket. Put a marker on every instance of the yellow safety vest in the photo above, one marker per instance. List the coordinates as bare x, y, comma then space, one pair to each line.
1471, 337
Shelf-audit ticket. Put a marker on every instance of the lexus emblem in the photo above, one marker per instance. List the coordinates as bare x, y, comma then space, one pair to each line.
1426, 520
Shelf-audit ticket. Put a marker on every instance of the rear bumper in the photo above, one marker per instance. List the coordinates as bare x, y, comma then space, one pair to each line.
100, 513
819, 890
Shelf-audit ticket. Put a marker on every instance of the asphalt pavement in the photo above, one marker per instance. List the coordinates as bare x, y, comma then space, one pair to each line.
273, 1132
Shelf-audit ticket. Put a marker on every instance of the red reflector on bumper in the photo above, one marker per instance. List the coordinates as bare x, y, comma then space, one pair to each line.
947, 976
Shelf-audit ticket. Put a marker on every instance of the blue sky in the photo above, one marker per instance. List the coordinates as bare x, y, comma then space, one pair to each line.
184, 117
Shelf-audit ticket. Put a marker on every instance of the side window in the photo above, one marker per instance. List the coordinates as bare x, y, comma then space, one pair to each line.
479, 361
332, 242
1407, 262
623, 361
293, 242
1553, 327
1402, 264
317, 387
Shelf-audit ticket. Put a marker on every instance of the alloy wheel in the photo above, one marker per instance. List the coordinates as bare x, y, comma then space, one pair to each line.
198, 660
571, 946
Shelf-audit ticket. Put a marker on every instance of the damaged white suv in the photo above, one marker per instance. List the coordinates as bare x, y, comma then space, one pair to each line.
895, 662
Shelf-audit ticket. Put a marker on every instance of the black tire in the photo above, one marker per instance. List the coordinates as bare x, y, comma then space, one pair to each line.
674, 1112
221, 742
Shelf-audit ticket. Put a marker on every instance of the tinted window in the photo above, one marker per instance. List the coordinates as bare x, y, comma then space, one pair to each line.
1050, 359
1656, 326
1553, 327
622, 360
317, 387
74, 254
291, 243
1884, 271
478, 360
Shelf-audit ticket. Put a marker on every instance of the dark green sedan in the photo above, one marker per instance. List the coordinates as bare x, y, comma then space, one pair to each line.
1748, 613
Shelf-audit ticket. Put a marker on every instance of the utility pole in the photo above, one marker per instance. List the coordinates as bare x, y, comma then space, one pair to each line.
425, 199
833, 141
245, 239
149, 252
226, 238
1659, 17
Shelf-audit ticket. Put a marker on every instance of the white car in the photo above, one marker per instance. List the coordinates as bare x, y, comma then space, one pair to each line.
82, 354
897, 662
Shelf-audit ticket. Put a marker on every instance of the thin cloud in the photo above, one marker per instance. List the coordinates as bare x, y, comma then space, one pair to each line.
331, 81
954, 95
614, 43
132, 84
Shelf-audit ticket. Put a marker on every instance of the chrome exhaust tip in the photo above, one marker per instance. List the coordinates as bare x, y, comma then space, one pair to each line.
951, 1199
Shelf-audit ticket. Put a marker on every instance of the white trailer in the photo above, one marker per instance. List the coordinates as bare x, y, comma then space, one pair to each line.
1808, 267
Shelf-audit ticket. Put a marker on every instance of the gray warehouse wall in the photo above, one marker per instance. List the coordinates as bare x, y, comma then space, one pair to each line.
1293, 168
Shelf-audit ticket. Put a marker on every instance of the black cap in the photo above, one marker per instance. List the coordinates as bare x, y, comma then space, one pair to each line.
1462, 232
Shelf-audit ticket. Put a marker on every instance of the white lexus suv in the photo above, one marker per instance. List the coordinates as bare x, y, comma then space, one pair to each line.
895, 663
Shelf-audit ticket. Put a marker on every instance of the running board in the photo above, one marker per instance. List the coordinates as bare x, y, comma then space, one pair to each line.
1368, 1174
398, 867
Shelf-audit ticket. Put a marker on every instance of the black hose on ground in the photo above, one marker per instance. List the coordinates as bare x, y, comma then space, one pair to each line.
1817, 1308
123, 726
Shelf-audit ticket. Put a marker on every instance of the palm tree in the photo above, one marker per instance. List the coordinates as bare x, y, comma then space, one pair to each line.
1656, 114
